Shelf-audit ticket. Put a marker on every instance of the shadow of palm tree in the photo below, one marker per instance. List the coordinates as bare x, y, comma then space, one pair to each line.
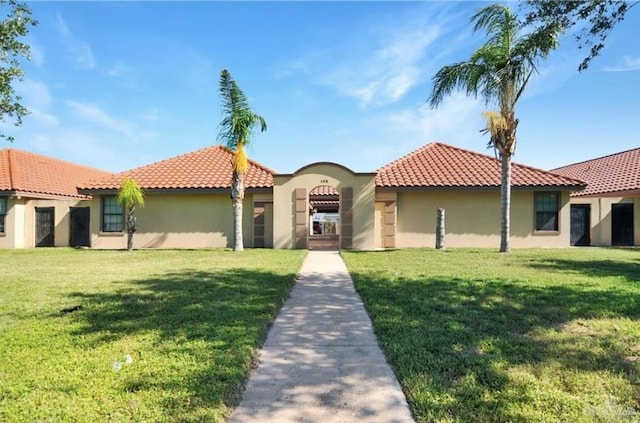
629, 270
454, 343
208, 324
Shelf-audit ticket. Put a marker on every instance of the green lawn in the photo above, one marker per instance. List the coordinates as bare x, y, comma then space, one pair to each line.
145, 336
531, 336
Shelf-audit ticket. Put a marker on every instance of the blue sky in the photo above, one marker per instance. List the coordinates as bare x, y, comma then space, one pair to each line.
117, 85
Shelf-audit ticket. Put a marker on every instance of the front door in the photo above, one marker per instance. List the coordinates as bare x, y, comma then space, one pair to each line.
45, 227
79, 236
622, 224
580, 224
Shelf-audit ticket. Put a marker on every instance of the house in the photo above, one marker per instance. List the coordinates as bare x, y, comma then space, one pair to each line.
607, 211
39, 203
466, 185
188, 203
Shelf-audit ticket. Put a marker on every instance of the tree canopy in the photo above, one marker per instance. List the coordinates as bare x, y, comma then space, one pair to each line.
598, 18
14, 26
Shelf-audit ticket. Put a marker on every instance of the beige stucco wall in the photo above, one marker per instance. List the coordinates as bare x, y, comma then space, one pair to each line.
13, 236
20, 221
178, 221
315, 175
472, 219
601, 217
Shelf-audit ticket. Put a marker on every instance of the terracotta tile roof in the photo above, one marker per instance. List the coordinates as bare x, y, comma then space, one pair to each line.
206, 168
441, 165
616, 173
32, 174
323, 190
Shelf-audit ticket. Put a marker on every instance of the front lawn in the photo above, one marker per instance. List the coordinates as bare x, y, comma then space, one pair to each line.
530, 336
113, 336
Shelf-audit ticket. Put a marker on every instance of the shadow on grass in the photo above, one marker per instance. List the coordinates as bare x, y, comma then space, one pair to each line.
452, 341
629, 270
203, 328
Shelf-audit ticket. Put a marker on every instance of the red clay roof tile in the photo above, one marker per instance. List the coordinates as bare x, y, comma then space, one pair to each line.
206, 168
441, 165
323, 190
615, 173
29, 173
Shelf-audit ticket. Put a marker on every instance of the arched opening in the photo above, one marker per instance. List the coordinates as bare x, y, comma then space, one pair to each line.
324, 218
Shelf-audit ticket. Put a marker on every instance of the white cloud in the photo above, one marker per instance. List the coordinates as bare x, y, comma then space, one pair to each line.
95, 114
390, 135
628, 64
43, 118
118, 69
387, 73
38, 100
382, 61
80, 146
456, 121
34, 93
79, 50
37, 53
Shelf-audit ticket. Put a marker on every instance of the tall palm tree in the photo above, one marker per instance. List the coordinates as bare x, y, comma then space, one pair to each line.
130, 195
236, 129
498, 72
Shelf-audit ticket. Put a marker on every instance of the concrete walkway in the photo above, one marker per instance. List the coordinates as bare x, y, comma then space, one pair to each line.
321, 361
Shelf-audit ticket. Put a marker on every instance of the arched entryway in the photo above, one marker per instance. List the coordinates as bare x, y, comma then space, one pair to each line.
323, 199
324, 218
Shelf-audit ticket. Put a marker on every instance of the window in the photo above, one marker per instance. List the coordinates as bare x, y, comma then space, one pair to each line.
546, 210
112, 216
3, 212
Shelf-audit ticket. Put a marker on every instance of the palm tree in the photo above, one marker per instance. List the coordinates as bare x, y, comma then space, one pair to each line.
235, 131
130, 195
498, 72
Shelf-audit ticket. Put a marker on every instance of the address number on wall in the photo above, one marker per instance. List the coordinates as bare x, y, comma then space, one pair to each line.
324, 181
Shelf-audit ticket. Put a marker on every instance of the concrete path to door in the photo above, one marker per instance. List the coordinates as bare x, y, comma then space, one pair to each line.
321, 361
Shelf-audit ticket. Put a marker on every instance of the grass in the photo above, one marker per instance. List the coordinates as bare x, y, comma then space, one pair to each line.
530, 336
189, 320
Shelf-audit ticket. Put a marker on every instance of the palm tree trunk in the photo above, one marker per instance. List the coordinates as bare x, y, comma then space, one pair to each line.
505, 203
131, 227
237, 197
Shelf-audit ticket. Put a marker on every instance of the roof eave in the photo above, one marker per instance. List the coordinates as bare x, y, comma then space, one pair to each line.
44, 196
479, 188
223, 190
623, 193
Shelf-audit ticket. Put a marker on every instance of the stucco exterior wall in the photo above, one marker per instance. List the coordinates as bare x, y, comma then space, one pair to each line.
601, 222
472, 219
330, 174
13, 236
21, 221
178, 221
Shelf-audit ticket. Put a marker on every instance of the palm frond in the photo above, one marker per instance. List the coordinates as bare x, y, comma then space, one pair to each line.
453, 77
130, 193
495, 122
239, 121
240, 160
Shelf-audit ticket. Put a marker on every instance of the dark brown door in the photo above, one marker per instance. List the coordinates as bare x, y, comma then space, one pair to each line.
622, 224
80, 236
580, 224
45, 226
